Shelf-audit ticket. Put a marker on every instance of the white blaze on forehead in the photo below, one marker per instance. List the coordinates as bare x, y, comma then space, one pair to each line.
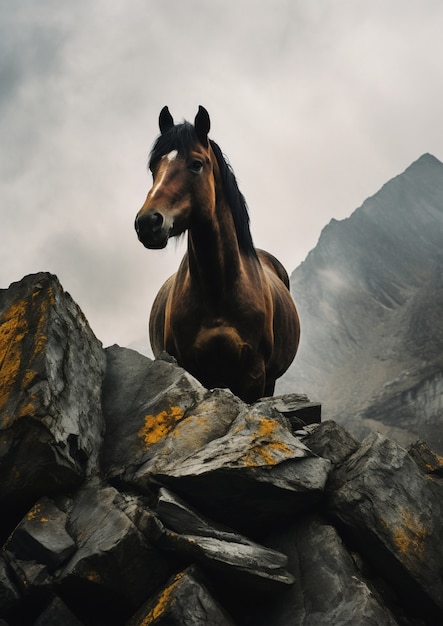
169, 157
172, 155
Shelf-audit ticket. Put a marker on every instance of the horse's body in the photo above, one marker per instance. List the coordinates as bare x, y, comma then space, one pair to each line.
227, 314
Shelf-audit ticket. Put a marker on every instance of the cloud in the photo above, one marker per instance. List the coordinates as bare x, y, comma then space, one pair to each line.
315, 104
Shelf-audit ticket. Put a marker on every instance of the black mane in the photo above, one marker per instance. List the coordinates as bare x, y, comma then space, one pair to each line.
183, 138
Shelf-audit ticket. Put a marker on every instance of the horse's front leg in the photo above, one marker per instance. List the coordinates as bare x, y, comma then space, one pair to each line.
269, 388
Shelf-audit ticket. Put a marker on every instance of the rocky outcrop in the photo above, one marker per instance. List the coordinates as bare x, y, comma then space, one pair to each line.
370, 297
132, 495
51, 372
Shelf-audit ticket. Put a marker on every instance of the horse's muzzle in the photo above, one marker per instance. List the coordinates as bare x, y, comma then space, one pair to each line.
151, 231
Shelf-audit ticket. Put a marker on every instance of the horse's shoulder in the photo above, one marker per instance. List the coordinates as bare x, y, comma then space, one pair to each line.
270, 262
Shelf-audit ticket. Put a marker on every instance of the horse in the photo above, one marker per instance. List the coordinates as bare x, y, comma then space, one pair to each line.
227, 315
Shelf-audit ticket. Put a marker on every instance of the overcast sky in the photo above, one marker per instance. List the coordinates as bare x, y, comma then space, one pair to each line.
316, 103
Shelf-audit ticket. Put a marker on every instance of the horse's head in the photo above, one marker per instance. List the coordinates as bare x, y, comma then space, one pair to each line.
183, 179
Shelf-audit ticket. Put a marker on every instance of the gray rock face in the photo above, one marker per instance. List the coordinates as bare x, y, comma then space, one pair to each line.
381, 498
273, 472
370, 297
330, 589
182, 505
228, 554
184, 600
52, 367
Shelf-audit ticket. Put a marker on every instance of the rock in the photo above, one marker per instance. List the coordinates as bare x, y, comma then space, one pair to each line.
143, 402
296, 407
175, 430
230, 556
272, 472
370, 297
331, 441
57, 614
387, 506
9, 594
42, 537
38, 546
184, 600
329, 590
115, 566
51, 424
427, 459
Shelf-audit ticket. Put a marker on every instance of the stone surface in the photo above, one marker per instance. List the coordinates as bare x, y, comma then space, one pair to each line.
386, 504
232, 557
259, 470
57, 614
331, 441
296, 407
51, 371
183, 601
330, 589
9, 594
42, 536
113, 555
144, 402
427, 459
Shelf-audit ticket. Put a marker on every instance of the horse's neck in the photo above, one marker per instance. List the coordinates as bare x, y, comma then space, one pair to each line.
213, 252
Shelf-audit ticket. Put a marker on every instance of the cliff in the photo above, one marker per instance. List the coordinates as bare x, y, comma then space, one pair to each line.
131, 495
370, 297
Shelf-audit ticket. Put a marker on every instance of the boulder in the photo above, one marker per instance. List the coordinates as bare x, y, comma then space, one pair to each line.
115, 566
329, 587
52, 367
164, 427
228, 555
144, 402
42, 537
183, 600
331, 441
259, 470
385, 504
296, 407
57, 613
9, 594
427, 459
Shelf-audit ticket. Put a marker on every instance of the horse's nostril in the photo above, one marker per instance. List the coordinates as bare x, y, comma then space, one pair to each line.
149, 223
156, 221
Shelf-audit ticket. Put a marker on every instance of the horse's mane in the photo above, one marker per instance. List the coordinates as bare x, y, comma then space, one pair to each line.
182, 137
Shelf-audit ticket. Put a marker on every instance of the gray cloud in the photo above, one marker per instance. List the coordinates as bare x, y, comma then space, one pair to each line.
315, 104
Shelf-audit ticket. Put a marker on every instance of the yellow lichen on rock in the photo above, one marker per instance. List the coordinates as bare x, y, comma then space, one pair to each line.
156, 427
267, 427
409, 535
266, 453
34, 512
14, 328
267, 448
94, 577
162, 602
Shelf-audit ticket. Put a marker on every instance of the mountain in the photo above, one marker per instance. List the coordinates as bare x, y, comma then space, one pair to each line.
370, 299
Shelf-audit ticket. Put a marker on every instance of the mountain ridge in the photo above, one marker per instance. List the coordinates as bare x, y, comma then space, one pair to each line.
369, 296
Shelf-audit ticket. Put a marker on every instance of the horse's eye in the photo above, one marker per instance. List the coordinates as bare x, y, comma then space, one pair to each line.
196, 166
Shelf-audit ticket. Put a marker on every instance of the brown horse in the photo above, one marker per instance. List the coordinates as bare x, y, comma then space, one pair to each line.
227, 315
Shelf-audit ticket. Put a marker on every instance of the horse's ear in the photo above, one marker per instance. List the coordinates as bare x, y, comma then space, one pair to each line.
202, 125
165, 120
